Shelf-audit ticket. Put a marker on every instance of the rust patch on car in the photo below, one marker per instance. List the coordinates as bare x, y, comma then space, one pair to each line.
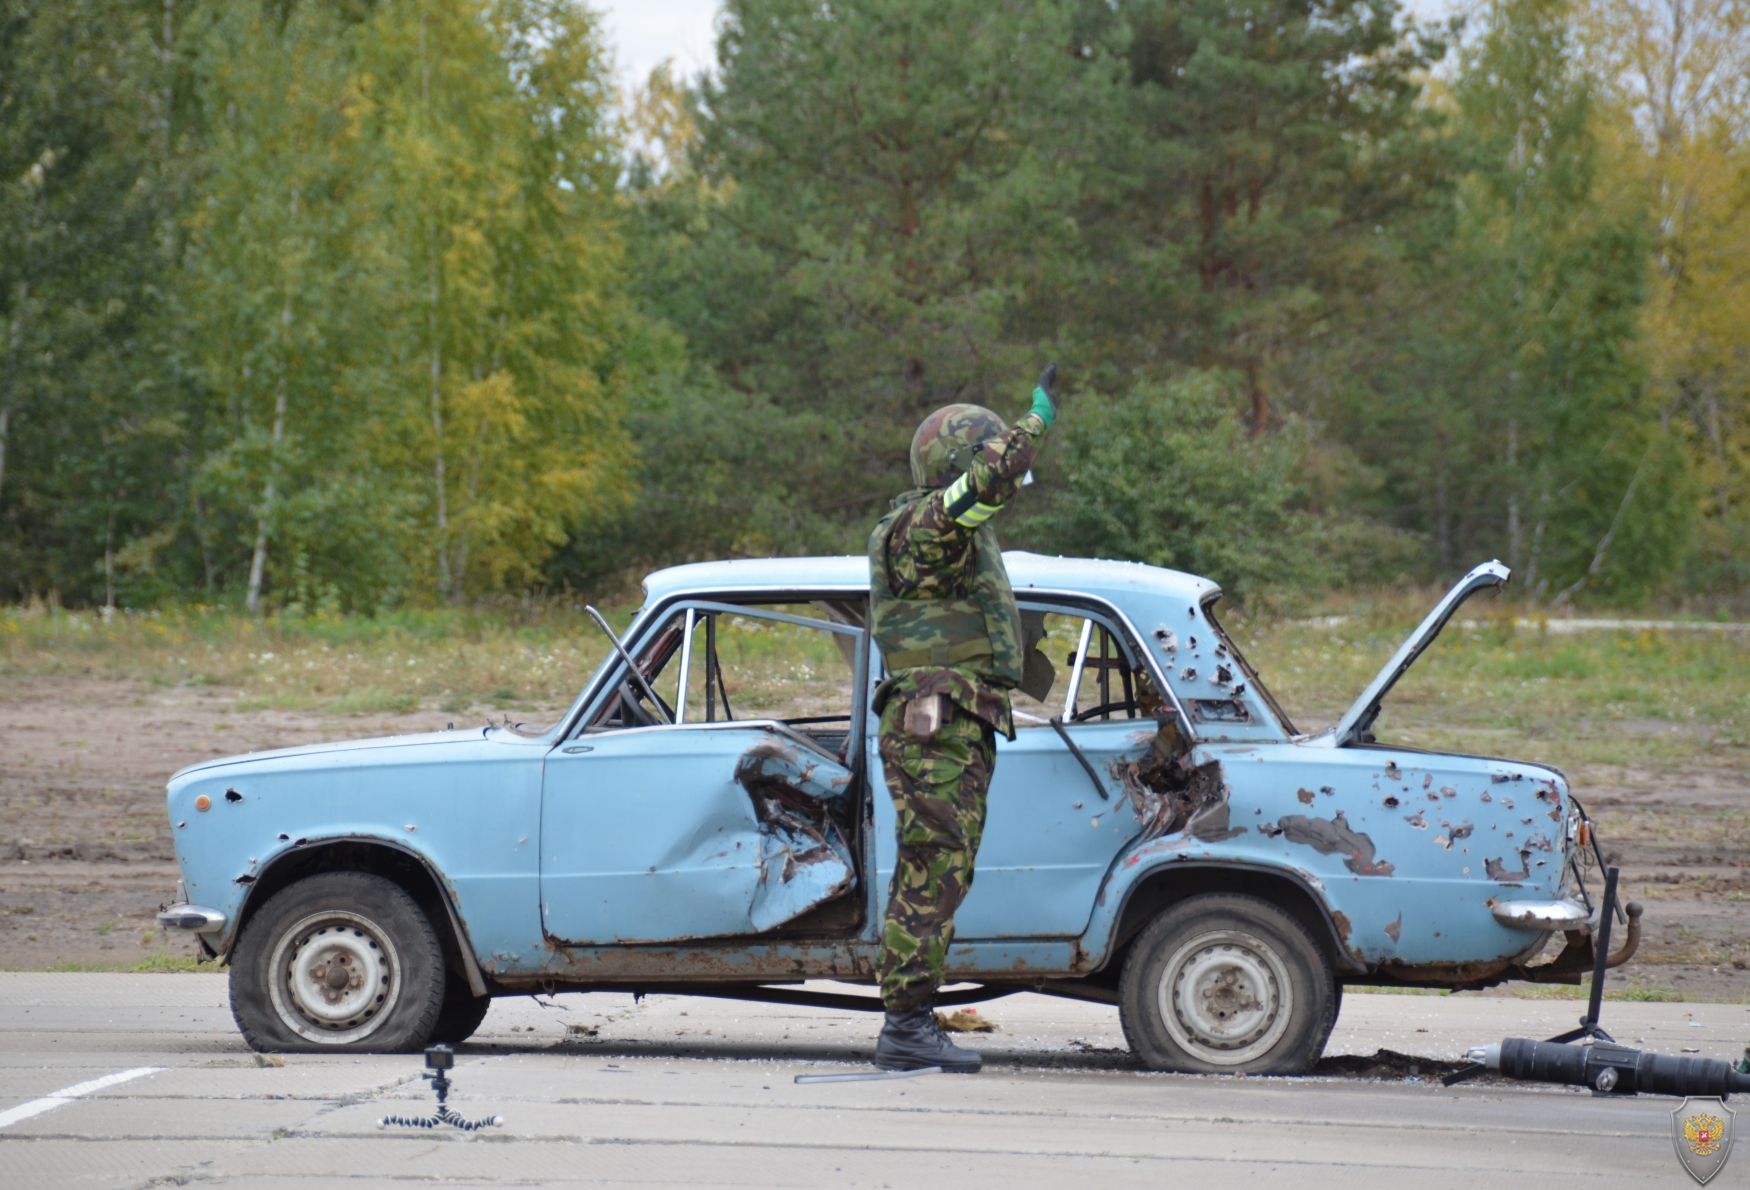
1306, 796
1481, 973
1334, 836
1496, 869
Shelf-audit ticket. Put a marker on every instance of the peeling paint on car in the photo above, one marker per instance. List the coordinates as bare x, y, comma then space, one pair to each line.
1334, 836
1496, 869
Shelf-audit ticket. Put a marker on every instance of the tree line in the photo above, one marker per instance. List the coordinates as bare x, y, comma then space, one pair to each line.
338, 304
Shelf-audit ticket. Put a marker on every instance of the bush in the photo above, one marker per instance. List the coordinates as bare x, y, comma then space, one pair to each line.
1168, 475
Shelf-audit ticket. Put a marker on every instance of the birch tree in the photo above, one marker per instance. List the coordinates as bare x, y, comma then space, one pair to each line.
500, 169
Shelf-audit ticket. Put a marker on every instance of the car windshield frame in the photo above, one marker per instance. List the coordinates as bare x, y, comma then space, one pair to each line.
1246, 667
645, 621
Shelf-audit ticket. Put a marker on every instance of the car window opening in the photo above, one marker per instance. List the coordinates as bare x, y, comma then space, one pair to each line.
1225, 641
712, 662
1102, 678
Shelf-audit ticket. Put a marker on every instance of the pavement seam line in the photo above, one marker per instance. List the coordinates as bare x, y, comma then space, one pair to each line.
66, 1095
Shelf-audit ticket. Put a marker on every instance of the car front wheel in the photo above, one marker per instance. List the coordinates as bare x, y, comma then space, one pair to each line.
338, 961
1224, 984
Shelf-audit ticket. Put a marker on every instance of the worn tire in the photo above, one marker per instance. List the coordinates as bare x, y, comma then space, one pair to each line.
340, 961
461, 1014
1225, 984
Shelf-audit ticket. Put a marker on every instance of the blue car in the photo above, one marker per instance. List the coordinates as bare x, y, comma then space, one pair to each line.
709, 817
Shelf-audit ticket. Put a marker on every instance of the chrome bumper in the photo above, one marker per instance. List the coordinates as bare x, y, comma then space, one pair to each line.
1565, 914
191, 917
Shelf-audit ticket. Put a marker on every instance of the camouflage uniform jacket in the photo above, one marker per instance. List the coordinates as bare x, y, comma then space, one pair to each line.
930, 556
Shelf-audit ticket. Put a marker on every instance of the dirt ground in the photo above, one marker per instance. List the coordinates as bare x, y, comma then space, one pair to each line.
85, 851
86, 857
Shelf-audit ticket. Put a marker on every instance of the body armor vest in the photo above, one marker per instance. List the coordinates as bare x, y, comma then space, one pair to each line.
981, 632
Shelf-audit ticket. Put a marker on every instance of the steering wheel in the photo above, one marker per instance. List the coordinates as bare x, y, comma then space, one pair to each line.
1105, 708
632, 712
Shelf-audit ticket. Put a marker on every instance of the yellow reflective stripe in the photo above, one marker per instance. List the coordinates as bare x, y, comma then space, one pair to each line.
977, 515
957, 491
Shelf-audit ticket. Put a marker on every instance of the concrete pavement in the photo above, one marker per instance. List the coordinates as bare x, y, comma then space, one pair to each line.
602, 1091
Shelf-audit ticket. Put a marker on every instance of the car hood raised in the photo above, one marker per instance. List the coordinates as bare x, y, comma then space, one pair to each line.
1360, 716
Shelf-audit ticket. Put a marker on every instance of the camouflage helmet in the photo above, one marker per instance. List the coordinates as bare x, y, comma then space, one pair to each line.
945, 443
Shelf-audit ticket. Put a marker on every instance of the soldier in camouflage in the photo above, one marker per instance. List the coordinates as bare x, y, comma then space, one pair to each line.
946, 622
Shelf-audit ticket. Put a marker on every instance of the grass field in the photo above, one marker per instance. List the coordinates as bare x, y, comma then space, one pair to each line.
1500, 676
444, 660
1610, 697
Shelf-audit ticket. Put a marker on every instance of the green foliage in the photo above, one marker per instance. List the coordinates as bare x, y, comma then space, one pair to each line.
1254, 155
90, 181
331, 305
326, 303
1511, 415
1168, 475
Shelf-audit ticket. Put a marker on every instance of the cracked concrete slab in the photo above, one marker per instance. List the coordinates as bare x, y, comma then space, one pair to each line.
700, 1092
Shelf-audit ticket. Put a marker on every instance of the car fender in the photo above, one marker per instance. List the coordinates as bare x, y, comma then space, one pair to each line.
1119, 913
351, 851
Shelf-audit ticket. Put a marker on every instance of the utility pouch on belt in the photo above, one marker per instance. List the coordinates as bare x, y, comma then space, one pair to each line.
923, 716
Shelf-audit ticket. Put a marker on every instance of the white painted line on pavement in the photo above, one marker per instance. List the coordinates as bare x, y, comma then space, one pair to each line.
66, 1095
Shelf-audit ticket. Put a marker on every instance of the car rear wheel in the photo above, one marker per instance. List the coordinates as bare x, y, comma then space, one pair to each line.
338, 961
1224, 984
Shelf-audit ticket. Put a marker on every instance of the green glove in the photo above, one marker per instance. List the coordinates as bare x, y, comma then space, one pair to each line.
1044, 400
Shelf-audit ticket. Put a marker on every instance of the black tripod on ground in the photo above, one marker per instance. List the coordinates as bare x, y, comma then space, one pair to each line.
439, 1059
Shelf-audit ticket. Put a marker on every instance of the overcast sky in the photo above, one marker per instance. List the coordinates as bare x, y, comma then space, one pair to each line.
644, 32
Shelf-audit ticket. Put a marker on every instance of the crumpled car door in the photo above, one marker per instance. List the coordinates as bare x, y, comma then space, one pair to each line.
666, 833
804, 861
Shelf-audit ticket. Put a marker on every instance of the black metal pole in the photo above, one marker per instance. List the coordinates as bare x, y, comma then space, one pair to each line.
1601, 953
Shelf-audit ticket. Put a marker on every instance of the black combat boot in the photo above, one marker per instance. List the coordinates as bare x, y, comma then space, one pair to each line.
913, 1040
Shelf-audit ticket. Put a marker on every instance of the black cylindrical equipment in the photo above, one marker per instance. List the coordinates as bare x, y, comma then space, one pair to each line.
1612, 1069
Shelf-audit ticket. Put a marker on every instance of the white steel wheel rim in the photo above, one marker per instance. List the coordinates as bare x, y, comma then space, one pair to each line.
1225, 997
335, 975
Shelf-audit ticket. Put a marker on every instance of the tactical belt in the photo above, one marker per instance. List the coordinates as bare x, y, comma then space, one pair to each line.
939, 654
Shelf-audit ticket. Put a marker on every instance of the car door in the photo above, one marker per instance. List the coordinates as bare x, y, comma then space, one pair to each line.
1050, 836
666, 817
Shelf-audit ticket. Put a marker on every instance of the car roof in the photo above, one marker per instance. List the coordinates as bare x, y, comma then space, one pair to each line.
1119, 581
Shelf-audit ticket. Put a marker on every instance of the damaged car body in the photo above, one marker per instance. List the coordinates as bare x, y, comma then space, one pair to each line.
709, 817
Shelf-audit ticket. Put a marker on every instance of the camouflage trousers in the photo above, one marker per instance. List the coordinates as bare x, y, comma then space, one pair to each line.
938, 790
